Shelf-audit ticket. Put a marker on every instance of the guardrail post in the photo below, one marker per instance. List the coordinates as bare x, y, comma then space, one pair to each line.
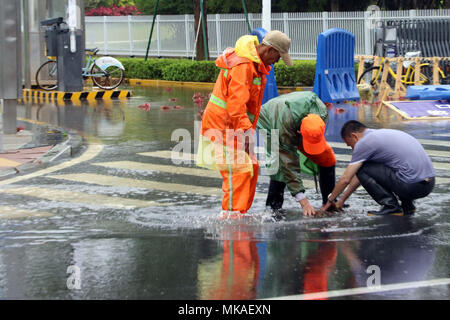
324, 21
366, 33
158, 36
286, 23
130, 35
105, 35
218, 35
186, 29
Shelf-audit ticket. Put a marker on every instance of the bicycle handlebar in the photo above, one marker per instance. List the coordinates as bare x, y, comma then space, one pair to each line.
50, 22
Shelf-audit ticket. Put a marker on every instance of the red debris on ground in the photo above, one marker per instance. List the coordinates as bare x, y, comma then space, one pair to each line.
20, 128
173, 99
340, 110
165, 107
178, 107
168, 89
199, 99
145, 106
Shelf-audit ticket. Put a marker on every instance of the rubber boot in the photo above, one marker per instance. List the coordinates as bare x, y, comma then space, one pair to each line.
327, 181
275, 196
382, 196
408, 207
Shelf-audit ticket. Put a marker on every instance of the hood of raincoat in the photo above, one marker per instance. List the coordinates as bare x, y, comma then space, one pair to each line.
243, 52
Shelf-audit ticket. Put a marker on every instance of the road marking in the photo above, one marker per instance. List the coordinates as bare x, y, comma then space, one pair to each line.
162, 168
365, 290
189, 157
92, 151
7, 212
146, 184
443, 143
172, 169
80, 197
441, 134
167, 154
8, 163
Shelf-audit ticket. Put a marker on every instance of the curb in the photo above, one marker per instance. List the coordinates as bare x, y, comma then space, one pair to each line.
52, 96
189, 84
70, 146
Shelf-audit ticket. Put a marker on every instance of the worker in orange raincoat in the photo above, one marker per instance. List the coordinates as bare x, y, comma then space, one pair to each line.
230, 117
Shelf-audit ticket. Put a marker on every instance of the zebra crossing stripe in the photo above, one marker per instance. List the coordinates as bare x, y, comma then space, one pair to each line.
81, 197
171, 169
145, 184
7, 212
441, 143
189, 157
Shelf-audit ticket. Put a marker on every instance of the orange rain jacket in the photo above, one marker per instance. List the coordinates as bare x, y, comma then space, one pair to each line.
237, 95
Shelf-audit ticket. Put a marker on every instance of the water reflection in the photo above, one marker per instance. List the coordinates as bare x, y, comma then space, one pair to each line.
249, 269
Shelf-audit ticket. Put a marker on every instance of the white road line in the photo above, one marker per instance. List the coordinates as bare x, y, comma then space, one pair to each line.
80, 197
92, 151
7, 212
188, 157
441, 134
131, 165
172, 169
441, 143
146, 184
366, 290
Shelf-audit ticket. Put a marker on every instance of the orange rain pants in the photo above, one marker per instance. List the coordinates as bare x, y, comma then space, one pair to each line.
235, 104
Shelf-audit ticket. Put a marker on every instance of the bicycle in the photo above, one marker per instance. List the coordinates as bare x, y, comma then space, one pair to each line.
106, 72
408, 74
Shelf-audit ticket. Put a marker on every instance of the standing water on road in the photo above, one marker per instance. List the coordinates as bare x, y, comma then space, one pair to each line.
123, 219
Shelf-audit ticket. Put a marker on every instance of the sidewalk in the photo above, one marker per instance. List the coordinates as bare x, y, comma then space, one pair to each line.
28, 148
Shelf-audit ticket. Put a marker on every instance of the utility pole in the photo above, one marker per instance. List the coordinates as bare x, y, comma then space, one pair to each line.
11, 64
266, 15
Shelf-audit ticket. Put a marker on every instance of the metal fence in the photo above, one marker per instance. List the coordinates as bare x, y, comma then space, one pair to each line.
174, 35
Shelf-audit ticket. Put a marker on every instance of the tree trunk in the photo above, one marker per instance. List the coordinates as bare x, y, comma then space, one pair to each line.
334, 5
200, 47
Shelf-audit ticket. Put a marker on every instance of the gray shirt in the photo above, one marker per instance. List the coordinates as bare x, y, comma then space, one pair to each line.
397, 150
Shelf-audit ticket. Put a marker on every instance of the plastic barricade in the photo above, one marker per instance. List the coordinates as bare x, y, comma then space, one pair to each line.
431, 92
335, 79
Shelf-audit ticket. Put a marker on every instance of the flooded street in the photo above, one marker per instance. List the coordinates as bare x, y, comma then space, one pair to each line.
128, 223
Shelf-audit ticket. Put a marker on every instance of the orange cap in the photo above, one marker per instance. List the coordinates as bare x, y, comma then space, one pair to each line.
313, 130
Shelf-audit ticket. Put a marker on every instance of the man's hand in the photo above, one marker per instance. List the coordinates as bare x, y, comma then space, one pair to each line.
332, 206
340, 204
307, 209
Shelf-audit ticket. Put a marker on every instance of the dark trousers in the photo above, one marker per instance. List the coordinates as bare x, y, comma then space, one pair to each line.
382, 184
275, 196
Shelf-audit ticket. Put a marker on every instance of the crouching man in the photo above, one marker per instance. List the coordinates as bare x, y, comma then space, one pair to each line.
390, 164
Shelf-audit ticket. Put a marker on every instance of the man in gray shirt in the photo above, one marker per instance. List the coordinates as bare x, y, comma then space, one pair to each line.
388, 164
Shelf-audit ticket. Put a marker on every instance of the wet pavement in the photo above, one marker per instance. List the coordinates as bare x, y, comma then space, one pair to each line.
115, 218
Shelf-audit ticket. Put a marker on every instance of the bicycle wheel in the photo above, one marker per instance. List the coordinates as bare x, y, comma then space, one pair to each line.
107, 79
367, 75
426, 75
47, 76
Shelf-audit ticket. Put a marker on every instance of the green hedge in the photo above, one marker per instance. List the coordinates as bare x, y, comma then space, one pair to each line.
300, 74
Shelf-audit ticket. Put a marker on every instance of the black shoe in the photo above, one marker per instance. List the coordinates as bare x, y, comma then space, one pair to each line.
408, 208
278, 214
393, 211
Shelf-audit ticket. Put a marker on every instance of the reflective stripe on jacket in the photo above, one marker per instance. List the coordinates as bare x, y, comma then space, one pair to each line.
236, 98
